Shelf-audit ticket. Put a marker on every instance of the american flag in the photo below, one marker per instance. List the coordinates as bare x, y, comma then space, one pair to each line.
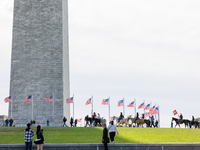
147, 107
129, 116
28, 99
153, 108
120, 103
141, 105
111, 118
69, 100
147, 114
105, 101
156, 110
131, 104
48, 99
89, 101
79, 120
7, 99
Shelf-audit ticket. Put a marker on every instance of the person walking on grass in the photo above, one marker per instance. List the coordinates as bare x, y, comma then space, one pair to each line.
64, 122
71, 122
40, 138
105, 138
28, 137
112, 127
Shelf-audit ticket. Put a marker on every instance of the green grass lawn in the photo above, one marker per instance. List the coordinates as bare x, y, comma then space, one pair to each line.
15, 135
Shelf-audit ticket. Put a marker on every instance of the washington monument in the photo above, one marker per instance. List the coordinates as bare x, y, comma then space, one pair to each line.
39, 62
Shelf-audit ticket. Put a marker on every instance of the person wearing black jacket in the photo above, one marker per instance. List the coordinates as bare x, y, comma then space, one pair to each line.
105, 138
71, 122
40, 136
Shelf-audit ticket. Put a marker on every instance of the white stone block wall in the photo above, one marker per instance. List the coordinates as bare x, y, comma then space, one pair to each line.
40, 61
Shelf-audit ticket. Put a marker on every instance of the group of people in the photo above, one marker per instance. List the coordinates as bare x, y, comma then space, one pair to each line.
92, 119
29, 133
9, 122
32, 122
181, 119
71, 122
151, 119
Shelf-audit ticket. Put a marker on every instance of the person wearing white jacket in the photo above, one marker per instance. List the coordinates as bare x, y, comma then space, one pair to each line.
112, 129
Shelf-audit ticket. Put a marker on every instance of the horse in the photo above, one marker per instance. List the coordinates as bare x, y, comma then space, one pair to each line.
99, 121
147, 122
185, 121
194, 123
138, 121
121, 121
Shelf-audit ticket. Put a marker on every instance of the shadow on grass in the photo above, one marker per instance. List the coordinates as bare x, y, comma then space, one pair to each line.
123, 137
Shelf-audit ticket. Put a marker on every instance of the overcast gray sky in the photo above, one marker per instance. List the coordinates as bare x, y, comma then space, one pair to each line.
143, 50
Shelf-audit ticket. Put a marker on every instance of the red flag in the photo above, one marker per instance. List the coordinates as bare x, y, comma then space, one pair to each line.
28, 99
48, 99
7, 99
69, 100
175, 112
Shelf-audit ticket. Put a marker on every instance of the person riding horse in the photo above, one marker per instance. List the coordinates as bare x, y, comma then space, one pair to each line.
137, 116
121, 116
181, 118
142, 116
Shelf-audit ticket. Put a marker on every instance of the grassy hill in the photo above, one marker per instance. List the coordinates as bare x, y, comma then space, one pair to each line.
93, 135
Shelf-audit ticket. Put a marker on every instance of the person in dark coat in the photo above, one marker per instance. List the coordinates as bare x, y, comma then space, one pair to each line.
105, 138
11, 122
152, 119
64, 122
47, 122
142, 116
71, 122
7, 122
192, 121
75, 123
137, 116
40, 136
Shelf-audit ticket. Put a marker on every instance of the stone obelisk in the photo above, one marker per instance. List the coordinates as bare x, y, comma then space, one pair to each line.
40, 62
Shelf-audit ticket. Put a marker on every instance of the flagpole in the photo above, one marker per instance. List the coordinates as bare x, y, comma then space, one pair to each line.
109, 110
32, 107
73, 106
135, 106
92, 105
158, 116
144, 106
11, 101
53, 110
123, 107
11, 107
154, 110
